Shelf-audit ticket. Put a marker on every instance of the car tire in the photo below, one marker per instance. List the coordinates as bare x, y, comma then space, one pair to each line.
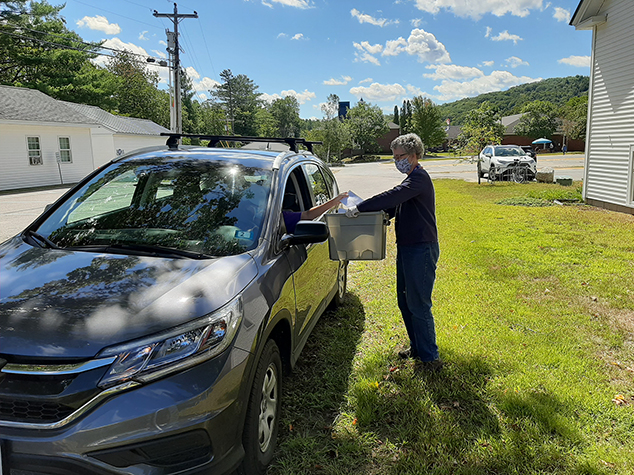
342, 284
261, 426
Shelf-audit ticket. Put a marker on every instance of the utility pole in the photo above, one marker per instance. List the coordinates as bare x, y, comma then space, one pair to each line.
176, 121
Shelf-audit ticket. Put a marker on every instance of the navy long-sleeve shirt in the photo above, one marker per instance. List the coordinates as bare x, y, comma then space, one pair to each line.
413, 203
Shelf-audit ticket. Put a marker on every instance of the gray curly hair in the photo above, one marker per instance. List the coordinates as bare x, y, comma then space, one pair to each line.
409, 143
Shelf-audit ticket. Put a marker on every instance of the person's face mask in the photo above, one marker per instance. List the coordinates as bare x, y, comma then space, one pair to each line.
403, 165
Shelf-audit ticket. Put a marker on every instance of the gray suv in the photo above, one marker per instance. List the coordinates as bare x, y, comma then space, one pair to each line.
147, 316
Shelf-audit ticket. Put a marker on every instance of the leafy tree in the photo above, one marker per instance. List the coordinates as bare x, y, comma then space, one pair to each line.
137, 94
212, 119
38, 51
405, 121
285, 112
539, 120
574, 116
366, 124
332, 131
240, 99
395, 118
482, 127
266, 123
427, 122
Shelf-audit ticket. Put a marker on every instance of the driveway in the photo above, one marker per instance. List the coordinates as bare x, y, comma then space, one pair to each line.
19, 209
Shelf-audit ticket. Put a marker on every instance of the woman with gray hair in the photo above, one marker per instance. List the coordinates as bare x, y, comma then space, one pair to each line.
413, 203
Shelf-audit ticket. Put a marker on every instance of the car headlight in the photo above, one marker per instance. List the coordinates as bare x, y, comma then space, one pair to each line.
181, 347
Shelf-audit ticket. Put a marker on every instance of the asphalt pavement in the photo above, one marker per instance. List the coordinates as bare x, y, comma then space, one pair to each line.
19, 209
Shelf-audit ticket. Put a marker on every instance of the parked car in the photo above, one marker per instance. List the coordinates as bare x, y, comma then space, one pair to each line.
529, 151
499, 159
147, 316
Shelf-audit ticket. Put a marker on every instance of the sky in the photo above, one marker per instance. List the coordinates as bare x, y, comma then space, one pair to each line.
380, 51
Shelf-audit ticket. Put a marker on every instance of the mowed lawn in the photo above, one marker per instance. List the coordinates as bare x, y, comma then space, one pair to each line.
534, 311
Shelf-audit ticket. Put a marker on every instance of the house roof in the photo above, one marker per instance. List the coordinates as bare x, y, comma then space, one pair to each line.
21, 103
588, 14
509, 122
116, 123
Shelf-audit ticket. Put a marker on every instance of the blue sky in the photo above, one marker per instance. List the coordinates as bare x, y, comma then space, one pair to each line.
381, 51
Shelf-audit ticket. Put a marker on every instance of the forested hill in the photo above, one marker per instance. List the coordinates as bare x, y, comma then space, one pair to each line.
555, 90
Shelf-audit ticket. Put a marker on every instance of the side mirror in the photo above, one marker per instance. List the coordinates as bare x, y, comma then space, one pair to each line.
488, 155
307, 232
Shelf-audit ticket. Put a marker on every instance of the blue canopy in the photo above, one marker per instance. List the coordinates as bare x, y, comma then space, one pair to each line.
540, 141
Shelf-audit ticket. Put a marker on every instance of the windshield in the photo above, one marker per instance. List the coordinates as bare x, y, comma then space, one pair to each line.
509, 152
206, 207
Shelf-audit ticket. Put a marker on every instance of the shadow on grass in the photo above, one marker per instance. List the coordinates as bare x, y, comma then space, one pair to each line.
334, 421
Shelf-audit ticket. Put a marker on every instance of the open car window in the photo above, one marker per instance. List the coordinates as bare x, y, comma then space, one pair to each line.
209, 207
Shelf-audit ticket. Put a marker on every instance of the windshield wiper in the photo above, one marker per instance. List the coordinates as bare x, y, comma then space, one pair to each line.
44, 241
152, 249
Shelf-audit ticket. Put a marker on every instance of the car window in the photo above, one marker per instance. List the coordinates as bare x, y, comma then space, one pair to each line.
211, 207
321, 191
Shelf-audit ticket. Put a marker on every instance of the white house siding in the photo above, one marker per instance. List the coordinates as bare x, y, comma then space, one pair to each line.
128, 143
14, 158
611, 123
102, 146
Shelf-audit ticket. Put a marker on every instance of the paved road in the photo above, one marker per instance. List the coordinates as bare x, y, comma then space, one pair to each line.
18, 210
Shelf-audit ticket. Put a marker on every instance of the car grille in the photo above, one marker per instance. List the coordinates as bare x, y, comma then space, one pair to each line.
21, 410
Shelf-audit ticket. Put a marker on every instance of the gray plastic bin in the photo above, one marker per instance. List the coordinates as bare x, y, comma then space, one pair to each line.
357, 239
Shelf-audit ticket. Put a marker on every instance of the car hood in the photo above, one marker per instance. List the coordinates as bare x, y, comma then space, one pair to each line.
71, 304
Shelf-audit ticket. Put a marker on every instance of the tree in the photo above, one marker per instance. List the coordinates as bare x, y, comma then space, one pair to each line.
427, 122
240, 99
137, 94
366, 124
266, 123
213, 120
285, 112
38, 51
574, 115
331, 131
539, 120
395, 118
406, 117
482, 127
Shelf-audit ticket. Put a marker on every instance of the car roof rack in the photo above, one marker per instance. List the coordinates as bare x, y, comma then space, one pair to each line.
214, 140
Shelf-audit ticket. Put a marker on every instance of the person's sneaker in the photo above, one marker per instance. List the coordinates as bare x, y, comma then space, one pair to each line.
428, 366
405, 353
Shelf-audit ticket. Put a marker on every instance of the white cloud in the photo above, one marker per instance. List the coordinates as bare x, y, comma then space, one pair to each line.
577, 61
506, 36
394, 47
561, 14
365, 52
266, 4
416, 91
143, 37
489, 31
426, 47
364, 18
301, 97
488, 63
269, 97
514, 62
192, 73
416, 22
299, 36
303, 4
496, 81
99, 23
282, 35
475, 10
363, 81
338, 82
160, 54
116, 43
379, 92
452, 71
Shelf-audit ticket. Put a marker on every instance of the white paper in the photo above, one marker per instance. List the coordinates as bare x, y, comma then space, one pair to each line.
351, 200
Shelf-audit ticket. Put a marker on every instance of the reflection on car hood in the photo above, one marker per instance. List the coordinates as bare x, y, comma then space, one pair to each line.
65, 304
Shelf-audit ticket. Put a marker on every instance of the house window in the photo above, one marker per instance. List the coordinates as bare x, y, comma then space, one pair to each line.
35, 152
64, 150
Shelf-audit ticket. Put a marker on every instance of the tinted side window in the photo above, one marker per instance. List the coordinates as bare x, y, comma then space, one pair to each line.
321, 191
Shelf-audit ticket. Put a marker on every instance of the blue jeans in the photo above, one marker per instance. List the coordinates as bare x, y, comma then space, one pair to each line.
415, 276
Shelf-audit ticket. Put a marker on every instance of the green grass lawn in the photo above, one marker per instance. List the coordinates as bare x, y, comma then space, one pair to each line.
534, 309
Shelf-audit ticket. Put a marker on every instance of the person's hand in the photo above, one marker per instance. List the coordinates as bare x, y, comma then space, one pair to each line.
352, 212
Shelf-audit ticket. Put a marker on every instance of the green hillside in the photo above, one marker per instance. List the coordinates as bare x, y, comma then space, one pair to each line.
556, 90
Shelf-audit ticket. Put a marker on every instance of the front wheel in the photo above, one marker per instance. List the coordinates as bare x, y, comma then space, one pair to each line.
260, 429
491, 175
342, 284
520, 175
